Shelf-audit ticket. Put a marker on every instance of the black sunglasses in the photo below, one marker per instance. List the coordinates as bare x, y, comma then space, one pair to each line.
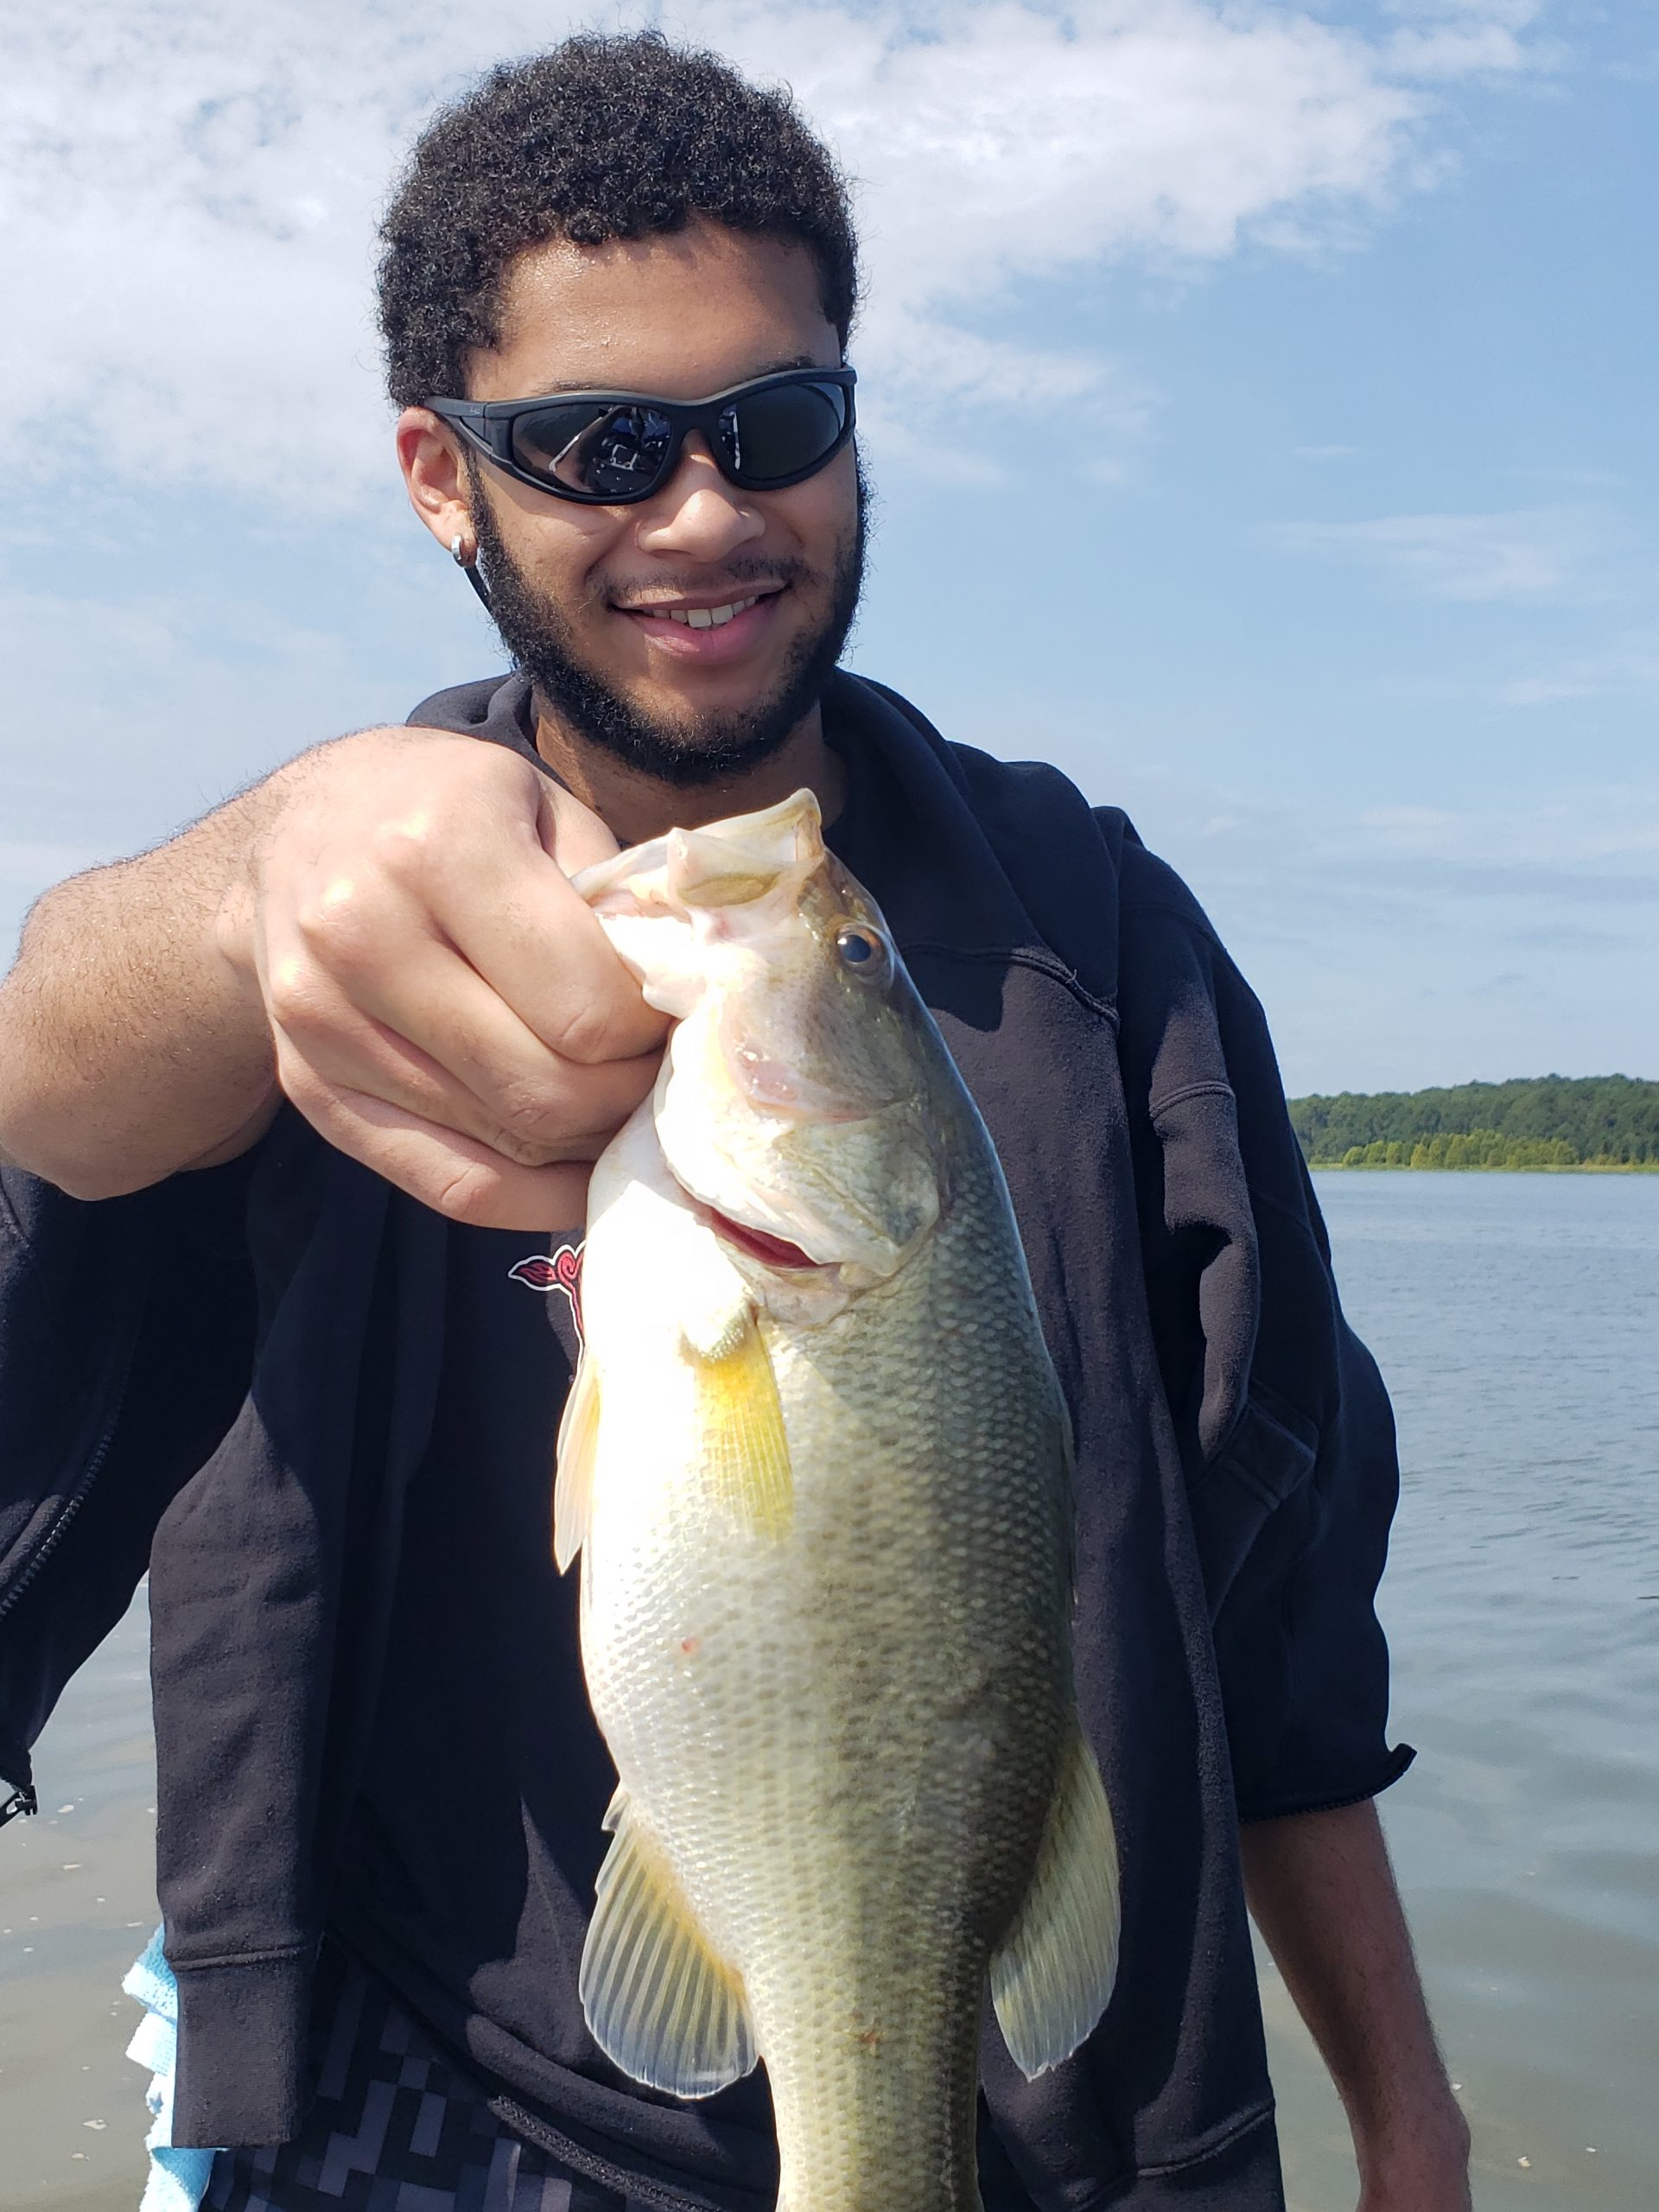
610, 448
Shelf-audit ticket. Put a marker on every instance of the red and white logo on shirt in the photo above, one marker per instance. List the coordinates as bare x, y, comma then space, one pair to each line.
559, 1270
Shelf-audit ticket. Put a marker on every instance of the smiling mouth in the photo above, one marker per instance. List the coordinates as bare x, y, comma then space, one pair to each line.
703, 617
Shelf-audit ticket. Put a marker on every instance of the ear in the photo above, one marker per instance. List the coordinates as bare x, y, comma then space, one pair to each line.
434, 476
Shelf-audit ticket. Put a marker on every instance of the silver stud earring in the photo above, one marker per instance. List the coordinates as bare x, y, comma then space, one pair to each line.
465, 557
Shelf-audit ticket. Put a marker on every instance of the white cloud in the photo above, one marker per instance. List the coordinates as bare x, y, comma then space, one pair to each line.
1510, 14
1536, 554
1455, 49
1373, 934
1545, 690
1623, 666
1606, 826
187, 244
145, 709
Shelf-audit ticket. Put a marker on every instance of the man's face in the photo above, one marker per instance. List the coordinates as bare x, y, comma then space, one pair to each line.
584, 596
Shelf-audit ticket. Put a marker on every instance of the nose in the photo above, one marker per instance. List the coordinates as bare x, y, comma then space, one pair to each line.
697, 515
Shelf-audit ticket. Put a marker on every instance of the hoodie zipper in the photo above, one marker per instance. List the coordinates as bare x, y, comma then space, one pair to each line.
638, 2188
24, 1801
72, 1504
89, 1473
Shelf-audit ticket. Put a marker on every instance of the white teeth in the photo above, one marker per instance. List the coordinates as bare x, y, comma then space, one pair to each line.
706, 617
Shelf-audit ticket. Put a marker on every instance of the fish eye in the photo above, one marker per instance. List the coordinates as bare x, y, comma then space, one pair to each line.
861, 950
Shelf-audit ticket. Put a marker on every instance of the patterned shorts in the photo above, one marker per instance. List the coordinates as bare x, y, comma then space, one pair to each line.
394, 2129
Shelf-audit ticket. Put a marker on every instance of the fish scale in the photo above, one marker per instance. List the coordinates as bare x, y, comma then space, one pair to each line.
824, 1513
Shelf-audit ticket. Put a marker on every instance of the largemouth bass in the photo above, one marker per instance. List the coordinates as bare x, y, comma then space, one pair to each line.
816, 1465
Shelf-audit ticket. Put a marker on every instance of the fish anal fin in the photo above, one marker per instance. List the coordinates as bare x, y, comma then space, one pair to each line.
573, 1485
745, 1450
1052, 1973
659, 2002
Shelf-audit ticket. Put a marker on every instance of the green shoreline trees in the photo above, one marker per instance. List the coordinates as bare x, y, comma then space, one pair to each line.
1544, 1122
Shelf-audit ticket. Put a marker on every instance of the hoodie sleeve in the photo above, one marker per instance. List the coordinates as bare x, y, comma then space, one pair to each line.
1284, 1427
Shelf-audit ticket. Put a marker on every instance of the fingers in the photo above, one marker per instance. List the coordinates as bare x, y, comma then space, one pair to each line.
442, 1004
431, 1037
490, 882
460, 1178
572, 834
583, 1004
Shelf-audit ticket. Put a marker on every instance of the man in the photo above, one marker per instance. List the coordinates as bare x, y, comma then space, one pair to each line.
316, 1087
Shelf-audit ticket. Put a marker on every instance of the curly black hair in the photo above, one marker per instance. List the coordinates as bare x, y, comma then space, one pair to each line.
604, 138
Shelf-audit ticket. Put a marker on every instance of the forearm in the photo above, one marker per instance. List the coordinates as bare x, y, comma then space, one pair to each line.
385, 933
130, 1045
1322, 1891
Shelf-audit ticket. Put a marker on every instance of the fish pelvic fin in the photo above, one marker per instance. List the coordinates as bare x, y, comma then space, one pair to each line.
1052, 1973
573, 1485
745, 1450
659, 2002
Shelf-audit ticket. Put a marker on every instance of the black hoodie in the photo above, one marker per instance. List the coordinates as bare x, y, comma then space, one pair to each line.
231, 1377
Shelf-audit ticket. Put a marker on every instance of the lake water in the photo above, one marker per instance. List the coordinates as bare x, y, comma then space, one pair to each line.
1517, 1319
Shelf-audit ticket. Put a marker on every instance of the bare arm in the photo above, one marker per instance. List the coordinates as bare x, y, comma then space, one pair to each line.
1322, 1891
130, 1045
384, 932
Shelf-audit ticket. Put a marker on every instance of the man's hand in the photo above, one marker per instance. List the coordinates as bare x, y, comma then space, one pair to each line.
386, 930
1322, 1893
441, 1004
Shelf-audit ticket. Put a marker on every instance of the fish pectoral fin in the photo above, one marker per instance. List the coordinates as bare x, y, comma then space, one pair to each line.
659, 2002
715, 1327
746, 1450
1052, 1973
573, 1485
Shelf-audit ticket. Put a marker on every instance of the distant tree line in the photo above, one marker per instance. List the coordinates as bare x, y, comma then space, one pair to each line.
1549, 1121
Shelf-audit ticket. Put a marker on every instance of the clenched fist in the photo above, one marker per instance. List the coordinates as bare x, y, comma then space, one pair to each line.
441, 1004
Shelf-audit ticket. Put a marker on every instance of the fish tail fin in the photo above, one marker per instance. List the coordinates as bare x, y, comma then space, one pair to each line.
1052, 1973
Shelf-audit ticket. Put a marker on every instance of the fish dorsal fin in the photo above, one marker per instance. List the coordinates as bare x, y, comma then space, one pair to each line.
573, 1485
746, 1450
1054, 1971
659, 2004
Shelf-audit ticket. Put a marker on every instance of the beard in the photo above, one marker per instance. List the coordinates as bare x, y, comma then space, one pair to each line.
692, 749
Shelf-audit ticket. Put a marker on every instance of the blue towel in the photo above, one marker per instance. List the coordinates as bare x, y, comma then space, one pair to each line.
178, 2179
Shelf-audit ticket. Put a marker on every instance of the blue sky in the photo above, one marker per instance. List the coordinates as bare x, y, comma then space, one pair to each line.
1352, 605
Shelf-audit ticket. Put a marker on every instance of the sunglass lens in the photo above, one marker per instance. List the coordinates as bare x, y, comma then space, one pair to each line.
784, 432
617, 453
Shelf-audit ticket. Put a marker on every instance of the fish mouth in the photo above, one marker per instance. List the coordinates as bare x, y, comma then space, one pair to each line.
771, 1251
